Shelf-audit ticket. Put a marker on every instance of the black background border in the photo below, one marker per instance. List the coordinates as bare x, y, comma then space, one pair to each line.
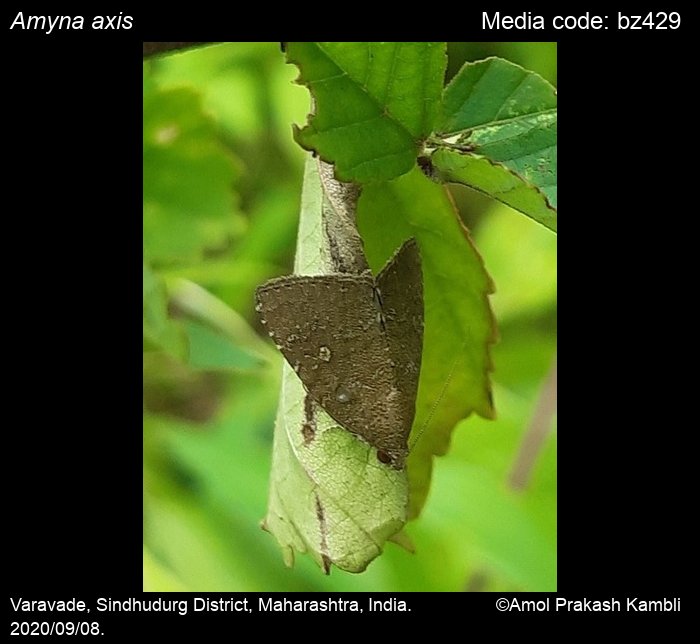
73, 243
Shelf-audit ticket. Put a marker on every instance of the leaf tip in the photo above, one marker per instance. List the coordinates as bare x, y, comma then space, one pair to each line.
403, 540
288, 556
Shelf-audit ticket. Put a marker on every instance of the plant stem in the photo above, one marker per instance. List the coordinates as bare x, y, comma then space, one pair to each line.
537, 432
339, 223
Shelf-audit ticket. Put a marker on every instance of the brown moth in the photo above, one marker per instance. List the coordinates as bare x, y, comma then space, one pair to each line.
356, 344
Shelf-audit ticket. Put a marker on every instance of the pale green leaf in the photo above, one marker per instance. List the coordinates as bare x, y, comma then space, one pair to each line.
331, 496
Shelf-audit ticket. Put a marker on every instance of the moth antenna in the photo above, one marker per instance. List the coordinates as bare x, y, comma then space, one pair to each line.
437, 401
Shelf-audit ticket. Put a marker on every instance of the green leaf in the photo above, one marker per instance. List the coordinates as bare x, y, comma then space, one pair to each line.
375, 103
499, 111
494, 92
329, 496
160, 333
188, 204
211, 350
220, 337
459, 325
497, 181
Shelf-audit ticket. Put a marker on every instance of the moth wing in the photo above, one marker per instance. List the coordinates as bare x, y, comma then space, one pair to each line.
400, 284
328, 329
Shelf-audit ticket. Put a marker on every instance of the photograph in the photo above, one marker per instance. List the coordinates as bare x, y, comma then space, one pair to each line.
350, 317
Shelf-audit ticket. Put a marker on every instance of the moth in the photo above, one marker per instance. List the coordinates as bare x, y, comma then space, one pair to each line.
356, 342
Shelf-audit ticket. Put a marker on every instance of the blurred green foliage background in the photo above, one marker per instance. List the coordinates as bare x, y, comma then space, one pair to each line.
222, 184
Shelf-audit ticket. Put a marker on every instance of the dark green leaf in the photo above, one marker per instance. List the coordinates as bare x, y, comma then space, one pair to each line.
497, 181
493, 92
375, 103
499, 111
459, 325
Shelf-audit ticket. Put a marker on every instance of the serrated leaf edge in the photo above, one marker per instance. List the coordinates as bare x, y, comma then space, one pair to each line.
493, 196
